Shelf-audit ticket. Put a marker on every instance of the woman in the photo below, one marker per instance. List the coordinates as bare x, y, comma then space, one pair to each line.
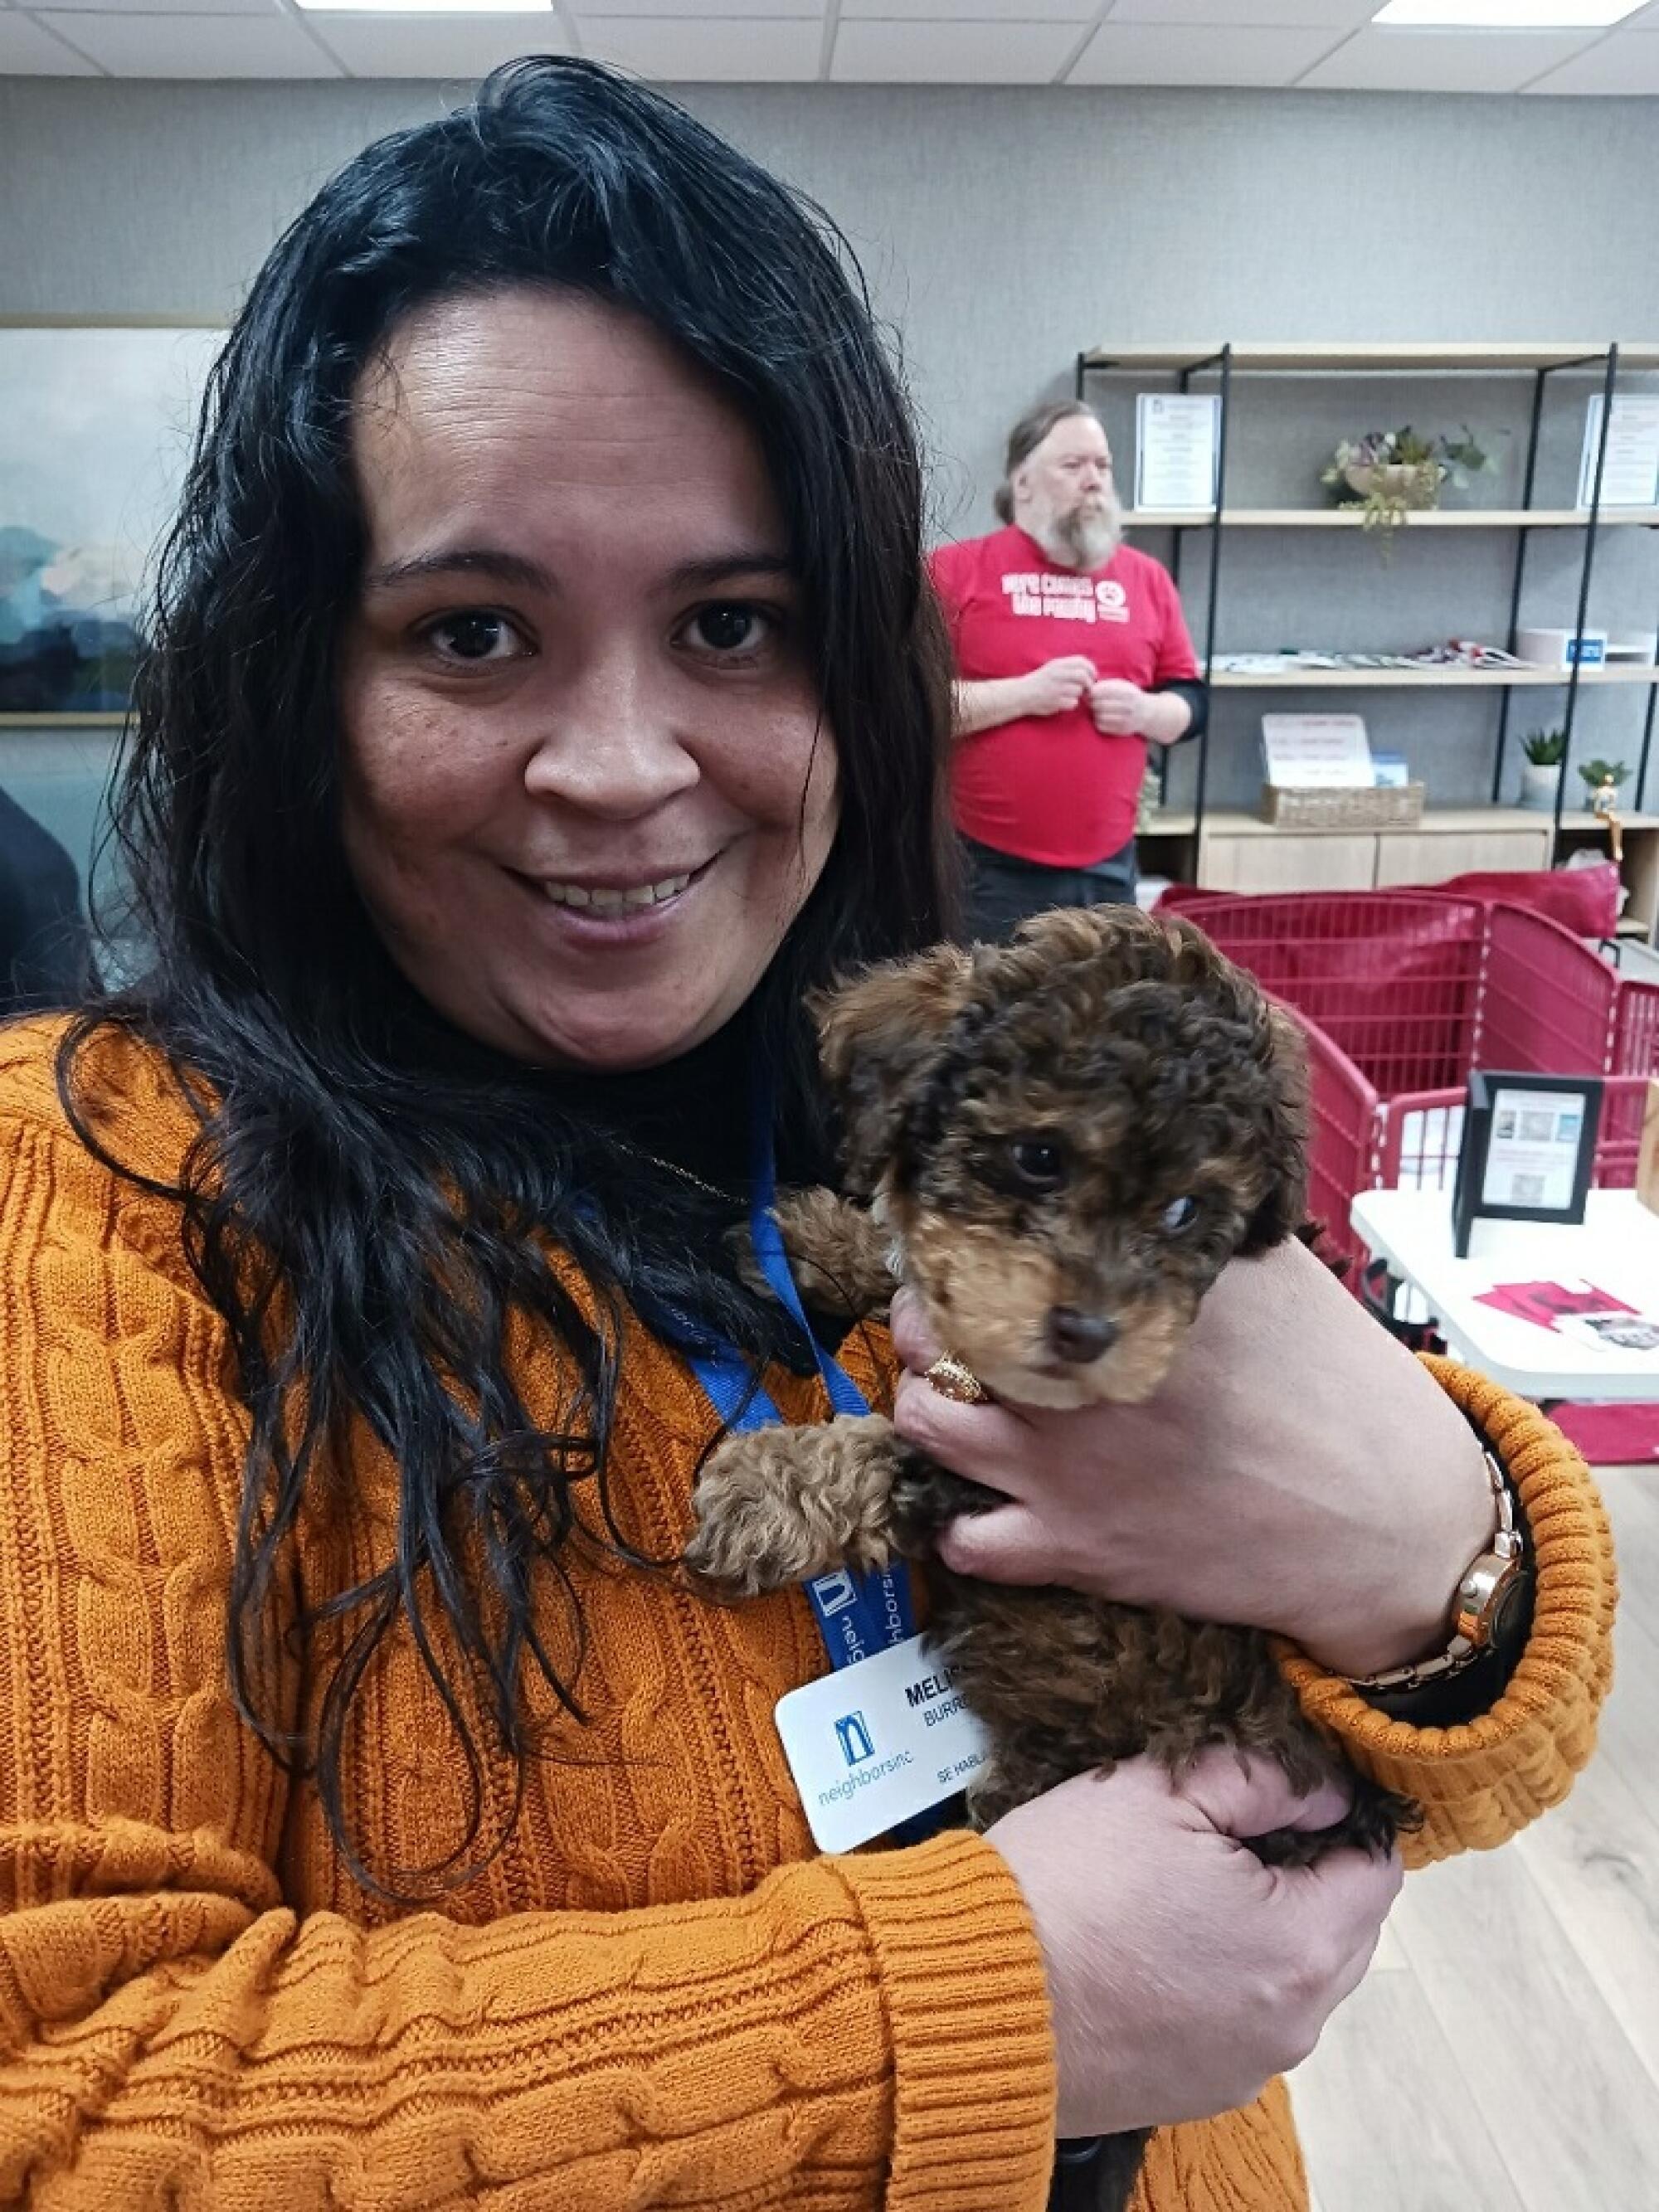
543, 699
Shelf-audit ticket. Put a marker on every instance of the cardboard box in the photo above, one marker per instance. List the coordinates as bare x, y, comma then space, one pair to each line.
1647, 1162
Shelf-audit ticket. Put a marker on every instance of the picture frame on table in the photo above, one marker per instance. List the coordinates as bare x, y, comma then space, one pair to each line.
1527, 1151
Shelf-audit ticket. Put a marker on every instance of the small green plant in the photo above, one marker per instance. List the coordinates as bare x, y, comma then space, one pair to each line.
1545, 747
1595, 772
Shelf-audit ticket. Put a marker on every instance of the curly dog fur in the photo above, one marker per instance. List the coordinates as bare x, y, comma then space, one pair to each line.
1060, 1143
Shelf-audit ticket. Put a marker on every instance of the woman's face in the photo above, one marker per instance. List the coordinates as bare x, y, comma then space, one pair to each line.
586, 788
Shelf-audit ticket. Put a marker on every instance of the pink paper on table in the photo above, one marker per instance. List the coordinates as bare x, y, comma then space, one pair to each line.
1545, 1304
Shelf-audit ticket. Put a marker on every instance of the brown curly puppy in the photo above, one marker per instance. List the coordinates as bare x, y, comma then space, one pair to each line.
1062, 1142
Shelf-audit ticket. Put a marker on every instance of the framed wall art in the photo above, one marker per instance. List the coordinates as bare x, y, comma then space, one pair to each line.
95, 428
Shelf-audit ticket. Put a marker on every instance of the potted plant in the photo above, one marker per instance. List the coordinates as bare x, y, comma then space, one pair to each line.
1540, 771
1395, 472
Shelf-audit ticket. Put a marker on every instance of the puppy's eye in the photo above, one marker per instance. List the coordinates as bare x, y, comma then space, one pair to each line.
1038, 1165
1179, 1214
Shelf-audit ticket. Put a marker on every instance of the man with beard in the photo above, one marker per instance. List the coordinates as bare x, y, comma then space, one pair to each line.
1071, 657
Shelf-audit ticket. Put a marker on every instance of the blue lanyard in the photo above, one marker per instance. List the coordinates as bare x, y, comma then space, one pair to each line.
858, 1615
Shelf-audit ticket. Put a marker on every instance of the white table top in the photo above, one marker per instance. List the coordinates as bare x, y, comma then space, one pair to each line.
1616, 1249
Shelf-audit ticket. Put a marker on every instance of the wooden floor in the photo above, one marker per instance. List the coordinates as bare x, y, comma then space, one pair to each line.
1503, 2056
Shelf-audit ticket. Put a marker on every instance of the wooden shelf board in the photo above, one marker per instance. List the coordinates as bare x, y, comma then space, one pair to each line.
1379, 679
1384, 356
1172, 824
1631, 925
1437, 821
1353, 517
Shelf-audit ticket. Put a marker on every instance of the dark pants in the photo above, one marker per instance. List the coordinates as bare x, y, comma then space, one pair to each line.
1003, 891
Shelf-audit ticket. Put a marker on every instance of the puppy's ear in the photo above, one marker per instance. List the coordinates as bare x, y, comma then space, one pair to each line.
1284, 1134
877, 1037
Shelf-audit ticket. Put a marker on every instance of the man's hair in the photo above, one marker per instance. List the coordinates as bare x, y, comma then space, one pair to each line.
1027, 434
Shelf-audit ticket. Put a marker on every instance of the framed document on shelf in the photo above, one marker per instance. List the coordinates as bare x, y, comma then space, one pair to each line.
1630, 474
1528, 1144
1177, 443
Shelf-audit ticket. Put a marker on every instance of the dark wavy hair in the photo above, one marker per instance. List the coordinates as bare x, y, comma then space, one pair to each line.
371, 1207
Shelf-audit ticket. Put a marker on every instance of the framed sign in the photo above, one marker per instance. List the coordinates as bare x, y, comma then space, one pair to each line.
1177, 443
1529, 1144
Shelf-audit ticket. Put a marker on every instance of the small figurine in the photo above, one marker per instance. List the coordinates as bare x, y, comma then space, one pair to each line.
1605, 805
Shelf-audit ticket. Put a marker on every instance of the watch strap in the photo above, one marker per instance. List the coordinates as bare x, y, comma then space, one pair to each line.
1479, 1602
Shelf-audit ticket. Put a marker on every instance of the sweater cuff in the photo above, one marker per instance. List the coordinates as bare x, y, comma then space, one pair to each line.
967, 2008
1481, 1781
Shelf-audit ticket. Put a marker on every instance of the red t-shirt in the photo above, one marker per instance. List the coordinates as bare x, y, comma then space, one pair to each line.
1052, 788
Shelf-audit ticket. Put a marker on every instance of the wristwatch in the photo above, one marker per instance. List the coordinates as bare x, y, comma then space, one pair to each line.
1492, 1585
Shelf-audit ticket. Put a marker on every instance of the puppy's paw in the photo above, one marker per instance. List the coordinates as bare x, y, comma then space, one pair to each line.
837, 1255
778, 1506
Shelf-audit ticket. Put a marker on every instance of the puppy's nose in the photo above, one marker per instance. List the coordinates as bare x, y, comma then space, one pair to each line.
1079, 1336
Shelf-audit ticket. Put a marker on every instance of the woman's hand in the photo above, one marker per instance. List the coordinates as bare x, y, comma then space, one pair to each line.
1297, 1471
1182, 1973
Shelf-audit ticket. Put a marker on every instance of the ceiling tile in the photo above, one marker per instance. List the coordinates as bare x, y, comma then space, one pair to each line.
1628, 63
951, 53
1190, 53
977, 11
1250, 14
727, 7
195, 46
436, 47
266, 8
710, 50
1445, 61
28, 51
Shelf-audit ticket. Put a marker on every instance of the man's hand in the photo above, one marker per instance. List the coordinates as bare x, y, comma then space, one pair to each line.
1124, 710
1060, 685
1119, 708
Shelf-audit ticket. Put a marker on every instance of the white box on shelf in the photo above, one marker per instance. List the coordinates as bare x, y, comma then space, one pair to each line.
1317, 752
1555, 648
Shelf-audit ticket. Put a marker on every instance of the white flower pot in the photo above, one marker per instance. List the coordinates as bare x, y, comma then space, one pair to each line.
1401, 484
1538, 783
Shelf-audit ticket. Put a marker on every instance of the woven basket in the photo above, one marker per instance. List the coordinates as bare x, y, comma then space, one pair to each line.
1365, 807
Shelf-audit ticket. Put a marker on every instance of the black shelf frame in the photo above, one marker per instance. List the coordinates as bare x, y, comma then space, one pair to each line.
1220, 363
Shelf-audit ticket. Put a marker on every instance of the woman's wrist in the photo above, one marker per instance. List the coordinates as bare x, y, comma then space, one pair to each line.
1408, 1612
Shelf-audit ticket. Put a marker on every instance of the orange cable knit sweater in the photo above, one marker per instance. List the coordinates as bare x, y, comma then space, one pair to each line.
654, 1994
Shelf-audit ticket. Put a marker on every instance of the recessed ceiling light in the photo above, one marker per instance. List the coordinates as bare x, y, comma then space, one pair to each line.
1508, 14
435, 7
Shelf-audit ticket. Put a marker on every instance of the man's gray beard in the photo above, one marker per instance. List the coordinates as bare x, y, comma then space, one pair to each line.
1084, 541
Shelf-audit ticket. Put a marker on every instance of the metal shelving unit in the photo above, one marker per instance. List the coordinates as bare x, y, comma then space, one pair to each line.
1226, 361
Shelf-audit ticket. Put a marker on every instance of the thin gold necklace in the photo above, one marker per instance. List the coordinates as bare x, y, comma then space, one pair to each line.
673, 1167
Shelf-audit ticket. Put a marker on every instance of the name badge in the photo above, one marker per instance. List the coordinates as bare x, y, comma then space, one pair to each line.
874, 1744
